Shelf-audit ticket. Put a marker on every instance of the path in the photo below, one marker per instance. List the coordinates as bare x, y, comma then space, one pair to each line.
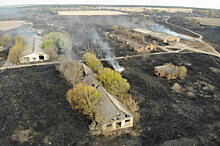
28, 65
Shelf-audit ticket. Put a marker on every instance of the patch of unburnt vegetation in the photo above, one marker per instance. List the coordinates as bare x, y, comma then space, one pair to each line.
54, 42
5, 41
18, 48
82, 97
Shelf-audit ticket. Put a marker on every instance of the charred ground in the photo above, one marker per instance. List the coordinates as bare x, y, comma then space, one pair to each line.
34, 98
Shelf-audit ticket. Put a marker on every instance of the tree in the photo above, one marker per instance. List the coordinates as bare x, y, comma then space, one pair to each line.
20, 40
5, 40
72, 70
84, 98
92, 61
15, 52
113, 82
50, 47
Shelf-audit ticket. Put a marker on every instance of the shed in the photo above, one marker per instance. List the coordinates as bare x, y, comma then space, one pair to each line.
33, 51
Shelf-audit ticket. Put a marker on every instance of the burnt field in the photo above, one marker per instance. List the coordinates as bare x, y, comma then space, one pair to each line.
34, 99
167, 115
34, 110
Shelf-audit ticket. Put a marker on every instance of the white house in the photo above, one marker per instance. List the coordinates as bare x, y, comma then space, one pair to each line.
33, 51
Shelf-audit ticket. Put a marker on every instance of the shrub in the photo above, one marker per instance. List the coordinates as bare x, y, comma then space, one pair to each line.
57, 41
5, 40
182, 72
84, 98
92, 61
50, 47
49, 43
72, 70
113, 82
21, 40
15, 52
54, 37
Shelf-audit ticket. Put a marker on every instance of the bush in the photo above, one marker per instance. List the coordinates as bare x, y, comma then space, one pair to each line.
92, 61
51, 49
72, 70
21, 40
15, 52
5, 40
182, 72
84, 98
113, 82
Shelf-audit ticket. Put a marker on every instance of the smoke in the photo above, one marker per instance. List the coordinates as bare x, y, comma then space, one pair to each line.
163, 29
107, 50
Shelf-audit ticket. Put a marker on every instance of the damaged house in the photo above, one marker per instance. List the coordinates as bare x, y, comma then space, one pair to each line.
33, 51
114, 115
165, 38
137, 46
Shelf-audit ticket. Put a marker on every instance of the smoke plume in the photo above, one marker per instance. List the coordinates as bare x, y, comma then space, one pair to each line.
108, 52
163, 29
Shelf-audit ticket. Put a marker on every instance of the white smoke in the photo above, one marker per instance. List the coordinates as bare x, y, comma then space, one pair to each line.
163, 29
107, 50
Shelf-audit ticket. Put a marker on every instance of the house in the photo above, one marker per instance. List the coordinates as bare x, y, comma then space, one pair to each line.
167, 70
114, 115
165, 38
39, 32
33, 51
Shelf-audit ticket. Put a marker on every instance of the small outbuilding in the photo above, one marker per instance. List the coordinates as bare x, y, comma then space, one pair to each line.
33, 51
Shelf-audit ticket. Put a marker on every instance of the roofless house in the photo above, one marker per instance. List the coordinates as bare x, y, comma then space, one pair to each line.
114, 115
33, 51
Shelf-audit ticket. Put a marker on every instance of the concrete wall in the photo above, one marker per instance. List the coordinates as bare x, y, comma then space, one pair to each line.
120, 124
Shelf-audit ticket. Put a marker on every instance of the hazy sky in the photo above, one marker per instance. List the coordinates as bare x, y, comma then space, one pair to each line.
186, 3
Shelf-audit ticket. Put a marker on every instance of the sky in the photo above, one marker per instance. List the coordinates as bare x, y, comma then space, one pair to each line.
215, 4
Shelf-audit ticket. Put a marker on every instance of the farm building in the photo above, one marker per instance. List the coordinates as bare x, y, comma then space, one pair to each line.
137, 46
165, 38
33, 51
114, 115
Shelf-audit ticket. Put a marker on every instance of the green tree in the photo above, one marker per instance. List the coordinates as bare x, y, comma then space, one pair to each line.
15, 52
113, 82
20, 40
92, 61
5, 40
50, 47
84, 98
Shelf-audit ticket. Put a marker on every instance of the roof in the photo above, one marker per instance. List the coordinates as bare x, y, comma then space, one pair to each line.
112, 108
161, 36
34, 45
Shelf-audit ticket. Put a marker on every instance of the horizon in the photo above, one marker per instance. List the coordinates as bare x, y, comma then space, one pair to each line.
212, 4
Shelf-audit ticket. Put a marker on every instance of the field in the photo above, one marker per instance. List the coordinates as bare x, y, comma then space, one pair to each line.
141, 9
90, 13
207, 21
7, 25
